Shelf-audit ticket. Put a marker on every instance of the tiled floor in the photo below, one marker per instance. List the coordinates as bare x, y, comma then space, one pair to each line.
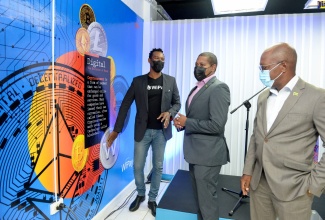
143, 213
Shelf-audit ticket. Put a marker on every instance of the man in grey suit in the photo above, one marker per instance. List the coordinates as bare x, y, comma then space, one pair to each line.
157, 101
279, 170
205, 147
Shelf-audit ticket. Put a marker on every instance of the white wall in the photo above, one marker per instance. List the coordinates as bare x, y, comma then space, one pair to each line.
238, 43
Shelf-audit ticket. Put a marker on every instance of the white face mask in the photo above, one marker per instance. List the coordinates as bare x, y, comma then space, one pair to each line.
266, 79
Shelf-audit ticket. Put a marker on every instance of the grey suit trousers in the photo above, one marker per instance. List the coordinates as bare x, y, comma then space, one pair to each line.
204, 182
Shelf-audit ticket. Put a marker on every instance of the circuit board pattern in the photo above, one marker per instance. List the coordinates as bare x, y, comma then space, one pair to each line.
42, 106
29, 116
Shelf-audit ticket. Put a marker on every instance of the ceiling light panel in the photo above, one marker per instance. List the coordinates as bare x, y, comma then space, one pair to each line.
237, 6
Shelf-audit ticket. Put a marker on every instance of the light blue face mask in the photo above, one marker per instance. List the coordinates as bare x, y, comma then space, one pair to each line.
265, 77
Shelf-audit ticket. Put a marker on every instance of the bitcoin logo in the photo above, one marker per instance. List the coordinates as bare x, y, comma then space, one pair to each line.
86, 15
82, 41
98, 40
79, 153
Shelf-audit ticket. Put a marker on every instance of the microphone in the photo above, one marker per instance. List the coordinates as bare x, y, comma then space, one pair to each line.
247, 100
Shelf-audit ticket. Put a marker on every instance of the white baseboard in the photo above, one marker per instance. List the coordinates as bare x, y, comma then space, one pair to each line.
115, 202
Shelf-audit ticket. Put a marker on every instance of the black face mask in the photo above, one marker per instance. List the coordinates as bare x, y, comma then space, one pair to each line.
157, 66
199, 73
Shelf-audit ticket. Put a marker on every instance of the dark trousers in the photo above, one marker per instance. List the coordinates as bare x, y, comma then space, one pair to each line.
204, 182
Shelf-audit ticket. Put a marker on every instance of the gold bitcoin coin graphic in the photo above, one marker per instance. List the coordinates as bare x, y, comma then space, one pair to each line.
79, 154
82, 41
86, 15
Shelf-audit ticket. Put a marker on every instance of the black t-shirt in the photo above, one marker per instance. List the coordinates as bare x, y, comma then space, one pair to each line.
154, 88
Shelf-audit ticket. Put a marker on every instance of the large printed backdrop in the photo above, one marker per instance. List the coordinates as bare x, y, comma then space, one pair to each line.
42, 106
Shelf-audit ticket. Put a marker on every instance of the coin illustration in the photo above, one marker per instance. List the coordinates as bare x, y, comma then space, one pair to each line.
108, 156
79, 153
86, 15
82, 41
98, 40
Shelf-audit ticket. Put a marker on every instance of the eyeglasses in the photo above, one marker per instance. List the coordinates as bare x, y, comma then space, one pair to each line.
262, 67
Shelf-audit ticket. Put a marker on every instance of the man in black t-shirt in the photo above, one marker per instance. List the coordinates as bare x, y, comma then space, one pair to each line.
157, 101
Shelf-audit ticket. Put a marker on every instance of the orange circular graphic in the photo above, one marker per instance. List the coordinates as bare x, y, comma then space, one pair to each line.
63, 130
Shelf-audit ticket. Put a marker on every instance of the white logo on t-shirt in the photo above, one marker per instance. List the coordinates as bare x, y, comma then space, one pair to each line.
154, 87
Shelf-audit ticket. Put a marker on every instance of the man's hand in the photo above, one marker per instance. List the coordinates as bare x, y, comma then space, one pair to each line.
176, 125
180, 120
164, 117
245, 181
111, 138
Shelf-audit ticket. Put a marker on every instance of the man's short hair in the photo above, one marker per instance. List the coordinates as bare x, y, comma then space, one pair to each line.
211, 57
154, 50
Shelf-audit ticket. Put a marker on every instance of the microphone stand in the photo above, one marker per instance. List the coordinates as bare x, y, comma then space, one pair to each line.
247, 104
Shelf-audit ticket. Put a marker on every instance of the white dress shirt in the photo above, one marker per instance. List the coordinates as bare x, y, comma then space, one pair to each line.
276, 100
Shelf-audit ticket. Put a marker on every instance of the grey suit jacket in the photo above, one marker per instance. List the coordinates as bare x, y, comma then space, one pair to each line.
204, 141
170, 102
286, 151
